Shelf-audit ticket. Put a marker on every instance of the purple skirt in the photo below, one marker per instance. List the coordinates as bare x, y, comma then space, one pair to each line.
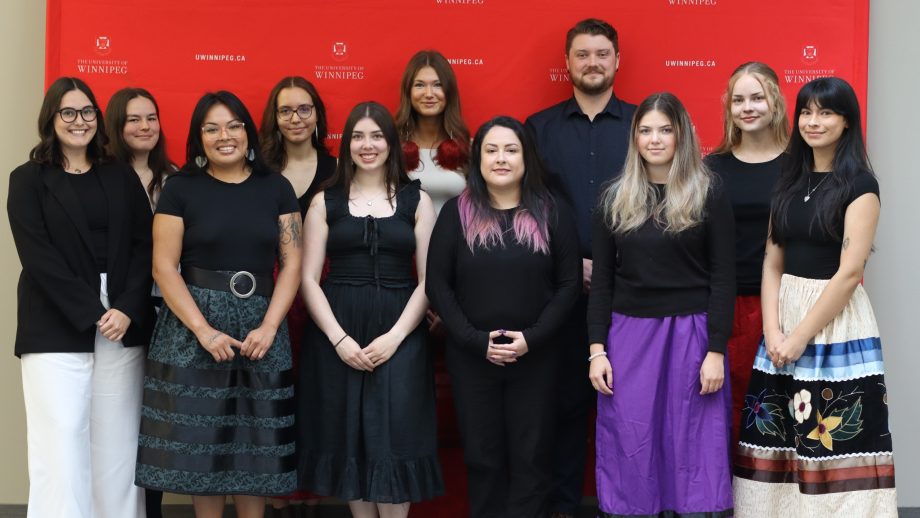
662, 448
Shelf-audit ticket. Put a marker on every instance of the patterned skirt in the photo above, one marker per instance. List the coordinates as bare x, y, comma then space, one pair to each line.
814, 437
662, 448
211, 428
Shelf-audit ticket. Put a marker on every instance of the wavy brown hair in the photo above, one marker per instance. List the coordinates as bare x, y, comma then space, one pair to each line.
48, 149
116, 116
769, 81
451, 119
272, 141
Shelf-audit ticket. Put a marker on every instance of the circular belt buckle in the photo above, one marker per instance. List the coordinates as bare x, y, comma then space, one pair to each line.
236, 277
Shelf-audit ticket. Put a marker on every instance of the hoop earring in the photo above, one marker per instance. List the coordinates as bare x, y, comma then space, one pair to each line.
201, 161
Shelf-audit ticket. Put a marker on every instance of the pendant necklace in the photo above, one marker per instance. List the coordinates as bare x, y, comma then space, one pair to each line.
811, 191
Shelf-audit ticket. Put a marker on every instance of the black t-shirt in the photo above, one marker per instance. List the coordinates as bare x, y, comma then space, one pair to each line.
509, 287
749, 186
651, 273
228, 226
96, 209
809, 251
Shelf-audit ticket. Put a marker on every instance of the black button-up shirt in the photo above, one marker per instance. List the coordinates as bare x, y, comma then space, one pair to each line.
582, 154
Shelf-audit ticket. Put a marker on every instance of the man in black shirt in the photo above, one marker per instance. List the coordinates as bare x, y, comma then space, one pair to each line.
583, 141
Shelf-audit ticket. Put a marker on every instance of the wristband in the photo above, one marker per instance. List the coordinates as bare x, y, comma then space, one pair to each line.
340, 341
596, 355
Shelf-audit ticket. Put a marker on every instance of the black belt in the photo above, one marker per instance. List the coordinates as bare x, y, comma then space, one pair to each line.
242, 284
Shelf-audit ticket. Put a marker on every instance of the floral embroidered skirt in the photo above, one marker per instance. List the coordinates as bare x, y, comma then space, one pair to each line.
662, 448
211, 428
815, 438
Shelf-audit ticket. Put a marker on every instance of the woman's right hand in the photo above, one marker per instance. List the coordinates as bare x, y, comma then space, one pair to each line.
353, 355
772, 342
601, 375
219, 345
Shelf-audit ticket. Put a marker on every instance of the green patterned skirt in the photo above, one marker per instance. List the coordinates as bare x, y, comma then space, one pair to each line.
212, 428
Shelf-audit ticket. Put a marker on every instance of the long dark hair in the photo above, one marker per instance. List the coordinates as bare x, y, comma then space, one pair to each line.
48, 149
272, 141
850, 160
452, 123
194, 147
395, 165
480, 220
116, 116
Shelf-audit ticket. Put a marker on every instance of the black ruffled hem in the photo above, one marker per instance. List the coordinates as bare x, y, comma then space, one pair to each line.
385, 481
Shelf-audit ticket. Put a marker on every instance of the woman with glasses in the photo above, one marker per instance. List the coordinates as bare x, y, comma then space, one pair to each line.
293, 135
367, 434
81, 224
218, 409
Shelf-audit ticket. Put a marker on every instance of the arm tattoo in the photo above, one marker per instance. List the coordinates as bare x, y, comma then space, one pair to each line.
290, 230
846, 242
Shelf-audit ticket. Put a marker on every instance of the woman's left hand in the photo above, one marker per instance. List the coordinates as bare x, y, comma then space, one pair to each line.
789, 351
258, 341
382, 348
114, 324
712, 373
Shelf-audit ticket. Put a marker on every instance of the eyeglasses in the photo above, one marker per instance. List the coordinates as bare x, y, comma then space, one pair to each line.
233, 128
87, 113
303, 111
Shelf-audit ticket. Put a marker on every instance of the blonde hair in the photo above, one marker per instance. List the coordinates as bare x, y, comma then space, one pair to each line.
779, 122
631, 200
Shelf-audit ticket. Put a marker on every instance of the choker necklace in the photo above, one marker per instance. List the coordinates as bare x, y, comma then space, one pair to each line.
811, 191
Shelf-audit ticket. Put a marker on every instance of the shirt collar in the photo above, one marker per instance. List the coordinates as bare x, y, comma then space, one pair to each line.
613, 108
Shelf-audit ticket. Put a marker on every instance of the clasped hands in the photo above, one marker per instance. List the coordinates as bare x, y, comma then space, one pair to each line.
220, 345
503, 353
783, 350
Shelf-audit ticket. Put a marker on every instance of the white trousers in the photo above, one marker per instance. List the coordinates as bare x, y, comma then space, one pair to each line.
82, 418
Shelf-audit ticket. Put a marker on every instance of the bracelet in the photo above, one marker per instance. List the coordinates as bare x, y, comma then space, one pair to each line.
596, 355
340, 341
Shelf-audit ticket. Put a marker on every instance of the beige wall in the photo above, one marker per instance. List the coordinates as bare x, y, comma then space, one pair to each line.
893, 279
22, 51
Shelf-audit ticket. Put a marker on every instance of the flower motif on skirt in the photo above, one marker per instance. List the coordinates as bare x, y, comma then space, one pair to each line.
766, 416
800, 406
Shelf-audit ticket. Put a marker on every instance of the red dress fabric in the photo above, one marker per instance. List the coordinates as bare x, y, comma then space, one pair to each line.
747, 330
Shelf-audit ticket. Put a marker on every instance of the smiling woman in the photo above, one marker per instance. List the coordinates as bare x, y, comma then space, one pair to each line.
218, 413
81, 224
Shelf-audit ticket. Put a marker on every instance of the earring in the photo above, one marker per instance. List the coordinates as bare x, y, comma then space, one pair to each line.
251, 155
201, 161
316, 132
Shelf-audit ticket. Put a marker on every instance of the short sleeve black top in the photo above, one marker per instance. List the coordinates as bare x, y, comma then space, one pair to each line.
651, 273
749, 187
809, 251
228, 226
502, 287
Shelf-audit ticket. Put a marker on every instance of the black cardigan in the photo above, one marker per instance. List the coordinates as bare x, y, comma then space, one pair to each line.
58, 292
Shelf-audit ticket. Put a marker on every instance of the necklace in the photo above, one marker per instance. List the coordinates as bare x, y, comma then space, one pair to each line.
811, 191
368, 201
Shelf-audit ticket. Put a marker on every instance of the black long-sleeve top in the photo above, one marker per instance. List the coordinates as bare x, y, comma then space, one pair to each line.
509, 287
651, 273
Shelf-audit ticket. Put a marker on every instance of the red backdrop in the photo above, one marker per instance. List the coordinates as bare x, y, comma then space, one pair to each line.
508, 54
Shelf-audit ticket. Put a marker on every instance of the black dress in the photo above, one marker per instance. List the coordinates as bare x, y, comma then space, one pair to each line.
368, 435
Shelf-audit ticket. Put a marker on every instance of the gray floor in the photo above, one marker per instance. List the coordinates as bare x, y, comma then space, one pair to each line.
328, 511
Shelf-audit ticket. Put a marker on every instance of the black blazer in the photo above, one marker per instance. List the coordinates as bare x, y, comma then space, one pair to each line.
58, 292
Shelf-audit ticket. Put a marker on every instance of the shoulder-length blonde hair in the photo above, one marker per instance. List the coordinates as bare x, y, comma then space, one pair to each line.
631, 200
779, 121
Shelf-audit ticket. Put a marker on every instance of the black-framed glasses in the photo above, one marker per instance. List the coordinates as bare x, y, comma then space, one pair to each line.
303, 111
87, 113
233, 129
